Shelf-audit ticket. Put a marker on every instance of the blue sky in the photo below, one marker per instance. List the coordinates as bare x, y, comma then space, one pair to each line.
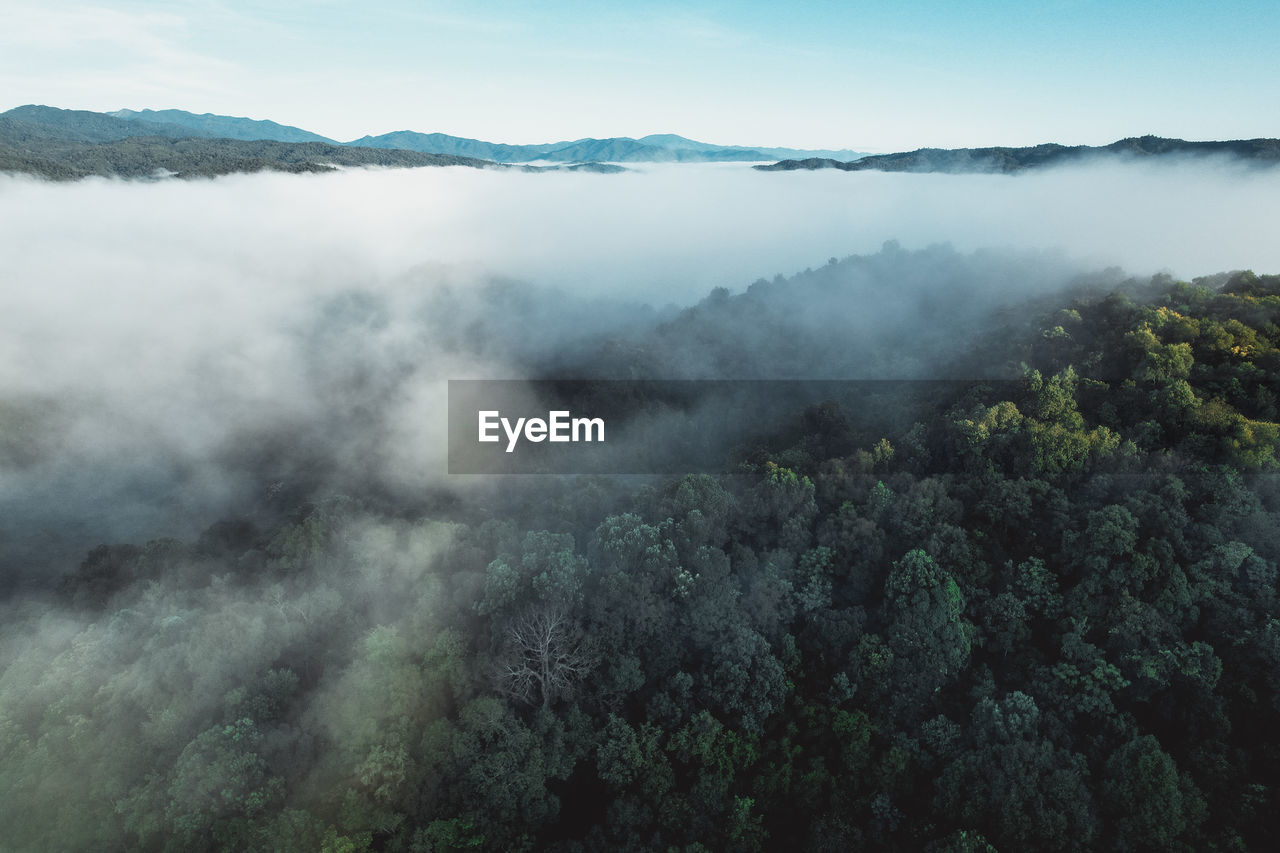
875, 76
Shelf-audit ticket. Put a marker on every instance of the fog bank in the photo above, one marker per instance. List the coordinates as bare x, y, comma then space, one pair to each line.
661, 232
168, 348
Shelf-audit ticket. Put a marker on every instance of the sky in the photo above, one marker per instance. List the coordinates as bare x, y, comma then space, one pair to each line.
871, 76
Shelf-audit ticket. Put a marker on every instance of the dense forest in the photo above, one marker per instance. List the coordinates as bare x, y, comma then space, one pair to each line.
1034, 612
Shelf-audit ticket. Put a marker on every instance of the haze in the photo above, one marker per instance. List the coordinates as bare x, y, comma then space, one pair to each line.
162, 339
663, 233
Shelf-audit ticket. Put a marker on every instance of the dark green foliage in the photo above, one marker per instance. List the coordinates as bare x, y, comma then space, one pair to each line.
1034, 615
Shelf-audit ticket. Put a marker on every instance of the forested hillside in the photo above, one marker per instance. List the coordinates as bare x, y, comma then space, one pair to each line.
1041, 615
157, 157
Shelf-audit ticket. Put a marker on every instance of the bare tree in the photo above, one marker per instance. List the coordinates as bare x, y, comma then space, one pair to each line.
544, 656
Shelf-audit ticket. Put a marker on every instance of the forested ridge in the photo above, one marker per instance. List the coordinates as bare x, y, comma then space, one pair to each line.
65, 145
1005, 160
56, 152
1039, 616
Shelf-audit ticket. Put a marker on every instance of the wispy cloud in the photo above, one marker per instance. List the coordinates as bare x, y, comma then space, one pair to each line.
703, 30
708, 33
141, 33
94, 51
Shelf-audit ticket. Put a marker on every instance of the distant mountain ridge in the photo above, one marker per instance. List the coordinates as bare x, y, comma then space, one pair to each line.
223, 127
655, 148
72, 144
32, 123
441, 143
1010, 160
68, 144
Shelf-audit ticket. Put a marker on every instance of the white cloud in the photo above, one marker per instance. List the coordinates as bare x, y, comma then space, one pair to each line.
175, 324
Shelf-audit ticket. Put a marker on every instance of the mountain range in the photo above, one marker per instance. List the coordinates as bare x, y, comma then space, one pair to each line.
655, 148
224, 127
69, 144
1009, 160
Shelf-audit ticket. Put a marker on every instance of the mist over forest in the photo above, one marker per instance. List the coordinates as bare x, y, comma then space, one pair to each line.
244, 607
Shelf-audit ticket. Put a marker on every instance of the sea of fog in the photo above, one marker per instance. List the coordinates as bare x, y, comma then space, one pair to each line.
665, 232
155, 336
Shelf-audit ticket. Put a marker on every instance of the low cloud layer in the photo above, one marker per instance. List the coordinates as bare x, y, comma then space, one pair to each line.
160, 341
661, 232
